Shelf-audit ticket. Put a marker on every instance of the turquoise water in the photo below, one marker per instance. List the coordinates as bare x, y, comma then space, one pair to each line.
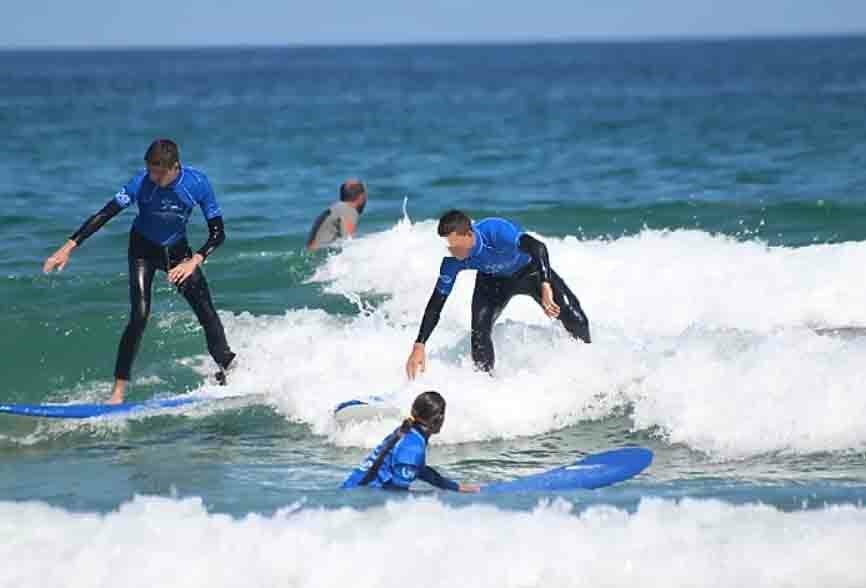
705, 200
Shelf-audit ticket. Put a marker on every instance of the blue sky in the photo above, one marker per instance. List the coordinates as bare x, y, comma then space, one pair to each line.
274, 22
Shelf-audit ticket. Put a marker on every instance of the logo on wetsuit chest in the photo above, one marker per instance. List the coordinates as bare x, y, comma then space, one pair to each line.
161, 201
498, 261
500, 266
170, 203
496, 268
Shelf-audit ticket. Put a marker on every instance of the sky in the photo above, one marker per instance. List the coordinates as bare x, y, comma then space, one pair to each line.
98, 23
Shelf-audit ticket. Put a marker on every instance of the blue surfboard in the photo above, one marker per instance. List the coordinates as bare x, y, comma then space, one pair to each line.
594, 471
87, 411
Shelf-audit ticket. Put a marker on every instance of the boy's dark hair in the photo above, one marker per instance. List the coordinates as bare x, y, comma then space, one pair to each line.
163, 153
454, 221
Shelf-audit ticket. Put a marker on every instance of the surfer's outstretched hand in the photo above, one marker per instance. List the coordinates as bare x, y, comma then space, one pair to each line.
417, 362
59, 258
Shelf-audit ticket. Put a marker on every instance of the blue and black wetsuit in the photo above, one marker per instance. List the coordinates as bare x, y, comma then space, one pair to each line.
158, 241
509, 262
403, 464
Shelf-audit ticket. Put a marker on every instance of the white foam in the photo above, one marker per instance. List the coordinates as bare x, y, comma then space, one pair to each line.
654, 283
423, 542
736, 394
702, 336
307, 362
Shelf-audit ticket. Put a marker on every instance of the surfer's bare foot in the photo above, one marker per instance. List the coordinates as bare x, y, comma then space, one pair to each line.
117, 393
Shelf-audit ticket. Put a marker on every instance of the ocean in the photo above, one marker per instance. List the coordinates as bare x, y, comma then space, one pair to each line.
705, 200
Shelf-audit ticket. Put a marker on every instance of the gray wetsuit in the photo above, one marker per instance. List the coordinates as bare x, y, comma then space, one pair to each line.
328, 226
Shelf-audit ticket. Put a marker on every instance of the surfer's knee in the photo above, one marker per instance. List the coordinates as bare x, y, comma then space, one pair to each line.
138, 319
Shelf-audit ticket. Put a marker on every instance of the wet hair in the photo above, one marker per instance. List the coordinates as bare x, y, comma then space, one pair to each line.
454, 221
163, 153
351, 190
428, 414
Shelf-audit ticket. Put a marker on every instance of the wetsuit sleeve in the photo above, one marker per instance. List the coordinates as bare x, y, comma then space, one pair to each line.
129, 193
207, 199
126, 196
447, 274
97, 221
431, 316
216, 234
434, 478
538, 252
448, 271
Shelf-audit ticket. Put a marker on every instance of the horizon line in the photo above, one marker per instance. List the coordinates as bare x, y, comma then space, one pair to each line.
493, 42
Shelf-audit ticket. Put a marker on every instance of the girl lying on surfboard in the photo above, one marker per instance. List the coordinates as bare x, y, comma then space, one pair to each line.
401, 457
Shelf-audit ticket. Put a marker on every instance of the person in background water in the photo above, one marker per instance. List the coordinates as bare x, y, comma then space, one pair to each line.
509, 262
401, 457
166, 194
340, 219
